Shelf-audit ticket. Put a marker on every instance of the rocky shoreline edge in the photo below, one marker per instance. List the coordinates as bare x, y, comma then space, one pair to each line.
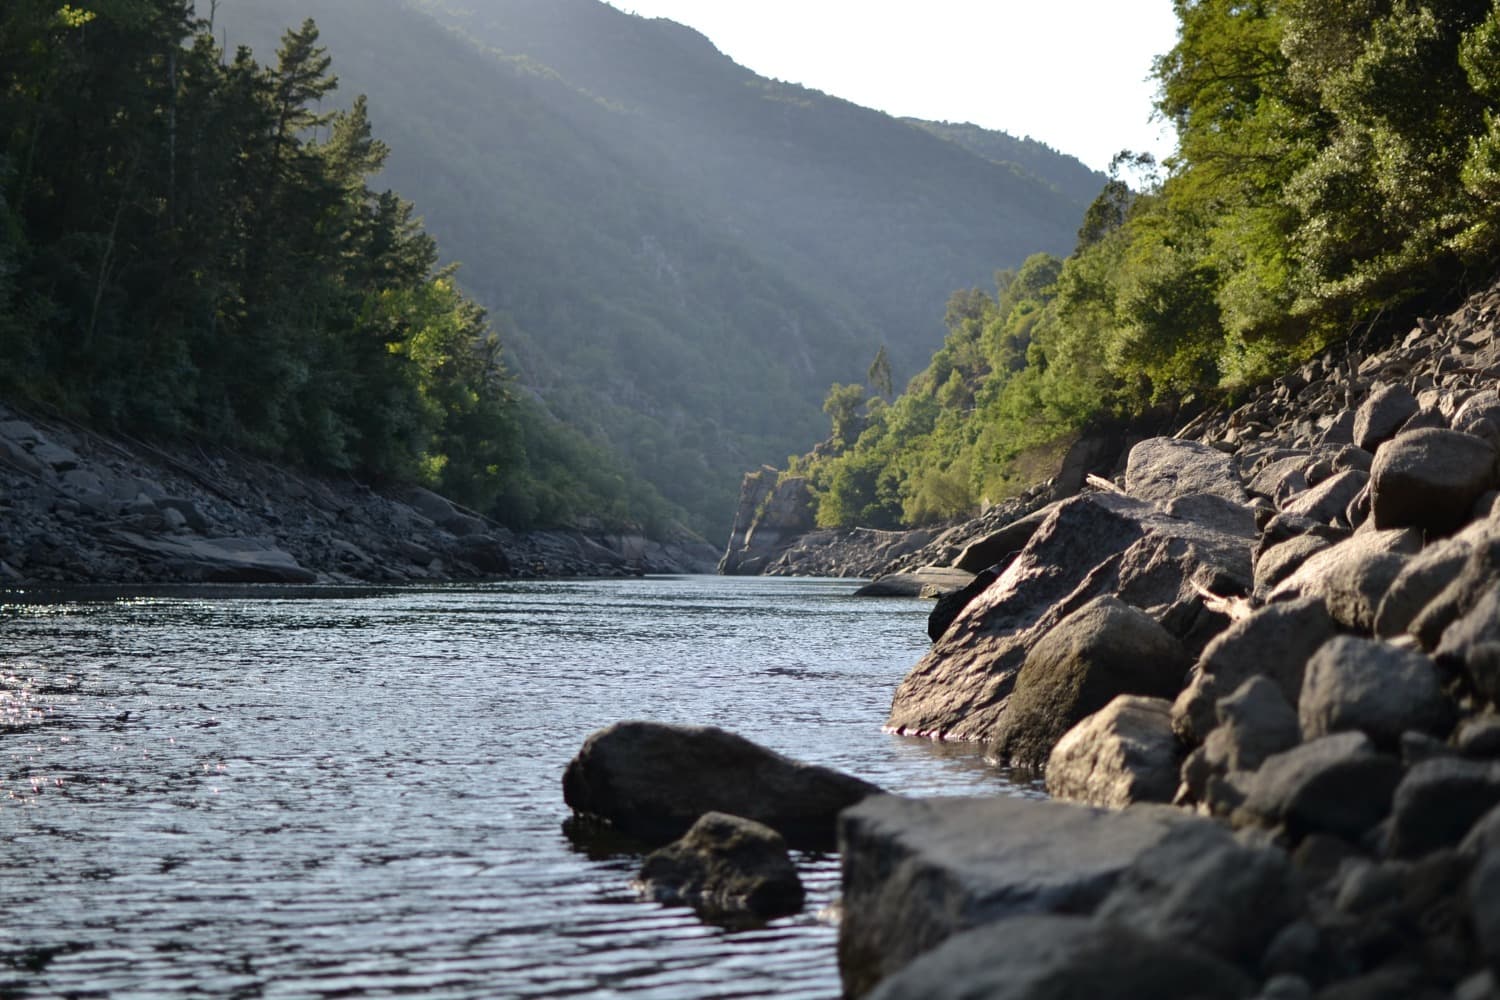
81, 508
1259, 670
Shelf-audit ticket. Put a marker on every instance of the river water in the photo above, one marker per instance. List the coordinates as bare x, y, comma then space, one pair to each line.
347, 793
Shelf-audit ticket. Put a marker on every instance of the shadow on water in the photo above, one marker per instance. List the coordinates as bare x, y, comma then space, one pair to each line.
599, 841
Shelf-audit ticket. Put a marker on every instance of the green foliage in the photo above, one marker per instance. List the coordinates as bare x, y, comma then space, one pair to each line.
190, 246
689, 254
1337, 162
843, 405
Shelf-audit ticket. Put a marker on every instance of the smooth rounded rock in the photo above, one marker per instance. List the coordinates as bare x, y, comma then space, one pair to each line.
1373, 687
1430, 479
1104, 649
1122, 754
653, 781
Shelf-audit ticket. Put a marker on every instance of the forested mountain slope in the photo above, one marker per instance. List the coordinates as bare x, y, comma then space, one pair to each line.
1338, 172
679, 256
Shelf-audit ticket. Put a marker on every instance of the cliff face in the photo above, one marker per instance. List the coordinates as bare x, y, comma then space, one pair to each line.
771, 512
80, 508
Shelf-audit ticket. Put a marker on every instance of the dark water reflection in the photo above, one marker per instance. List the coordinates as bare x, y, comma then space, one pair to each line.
357, 793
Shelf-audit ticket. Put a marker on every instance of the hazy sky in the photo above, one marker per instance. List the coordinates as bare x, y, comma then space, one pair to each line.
1072, 73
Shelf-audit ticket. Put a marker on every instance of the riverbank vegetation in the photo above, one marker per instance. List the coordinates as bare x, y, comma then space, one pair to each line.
191, 248
1339, 167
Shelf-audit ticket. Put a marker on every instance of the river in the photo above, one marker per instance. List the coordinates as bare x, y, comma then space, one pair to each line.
340, 793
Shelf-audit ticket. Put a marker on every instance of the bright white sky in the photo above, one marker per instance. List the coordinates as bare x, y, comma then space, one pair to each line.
1071, 73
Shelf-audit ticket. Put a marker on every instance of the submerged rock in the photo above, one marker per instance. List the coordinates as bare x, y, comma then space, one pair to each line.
727, 868
653, 781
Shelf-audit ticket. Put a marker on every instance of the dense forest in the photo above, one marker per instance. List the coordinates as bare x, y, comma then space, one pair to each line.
1338, 168
190, 246
680, 255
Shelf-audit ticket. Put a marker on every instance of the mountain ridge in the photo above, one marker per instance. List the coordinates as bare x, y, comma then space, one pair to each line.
680, 256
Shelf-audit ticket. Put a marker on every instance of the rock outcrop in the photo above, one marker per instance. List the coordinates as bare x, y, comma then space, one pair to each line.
77, 507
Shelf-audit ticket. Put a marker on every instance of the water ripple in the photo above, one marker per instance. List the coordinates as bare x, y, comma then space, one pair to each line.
340, 793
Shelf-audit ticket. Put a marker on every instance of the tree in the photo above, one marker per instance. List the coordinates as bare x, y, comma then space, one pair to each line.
842, 405
879, 376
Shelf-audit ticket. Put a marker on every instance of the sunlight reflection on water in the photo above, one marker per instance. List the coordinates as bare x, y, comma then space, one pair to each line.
330, 792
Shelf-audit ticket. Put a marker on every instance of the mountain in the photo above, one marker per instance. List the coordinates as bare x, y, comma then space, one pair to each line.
680, 256
1071, 177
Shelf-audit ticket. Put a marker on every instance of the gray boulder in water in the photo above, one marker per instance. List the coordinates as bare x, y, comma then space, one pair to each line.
652, 781
727, 868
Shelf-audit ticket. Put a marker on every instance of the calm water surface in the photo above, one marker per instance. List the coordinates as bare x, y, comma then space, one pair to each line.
321, 793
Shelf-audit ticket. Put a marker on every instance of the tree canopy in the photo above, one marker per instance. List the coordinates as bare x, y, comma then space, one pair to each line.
1337, 164
190, 246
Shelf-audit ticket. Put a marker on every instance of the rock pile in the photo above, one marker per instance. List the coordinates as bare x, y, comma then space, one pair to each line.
1286, 620
76, 507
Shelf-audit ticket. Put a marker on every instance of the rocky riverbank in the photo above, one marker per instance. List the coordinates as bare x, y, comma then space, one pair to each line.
1259, 670
81, 508
1283, 620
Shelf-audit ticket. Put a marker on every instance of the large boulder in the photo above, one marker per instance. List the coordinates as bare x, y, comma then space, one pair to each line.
1438, 802
1275, 641
1373, 687
950, 605
917, 871
1125, 753
1425, 576
1104, 649
1353, 576
1003, 543
653, 781
1255, 723
1430, 479
1091, 545
960, 688
1057, 957
1338, 785
1161, 469
1472, 643
1198, 886
1465, 590
727, 868
1382, 415
1328, 501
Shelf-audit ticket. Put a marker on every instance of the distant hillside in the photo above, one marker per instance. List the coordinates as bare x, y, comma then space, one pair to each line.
680, 256
1070, 176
